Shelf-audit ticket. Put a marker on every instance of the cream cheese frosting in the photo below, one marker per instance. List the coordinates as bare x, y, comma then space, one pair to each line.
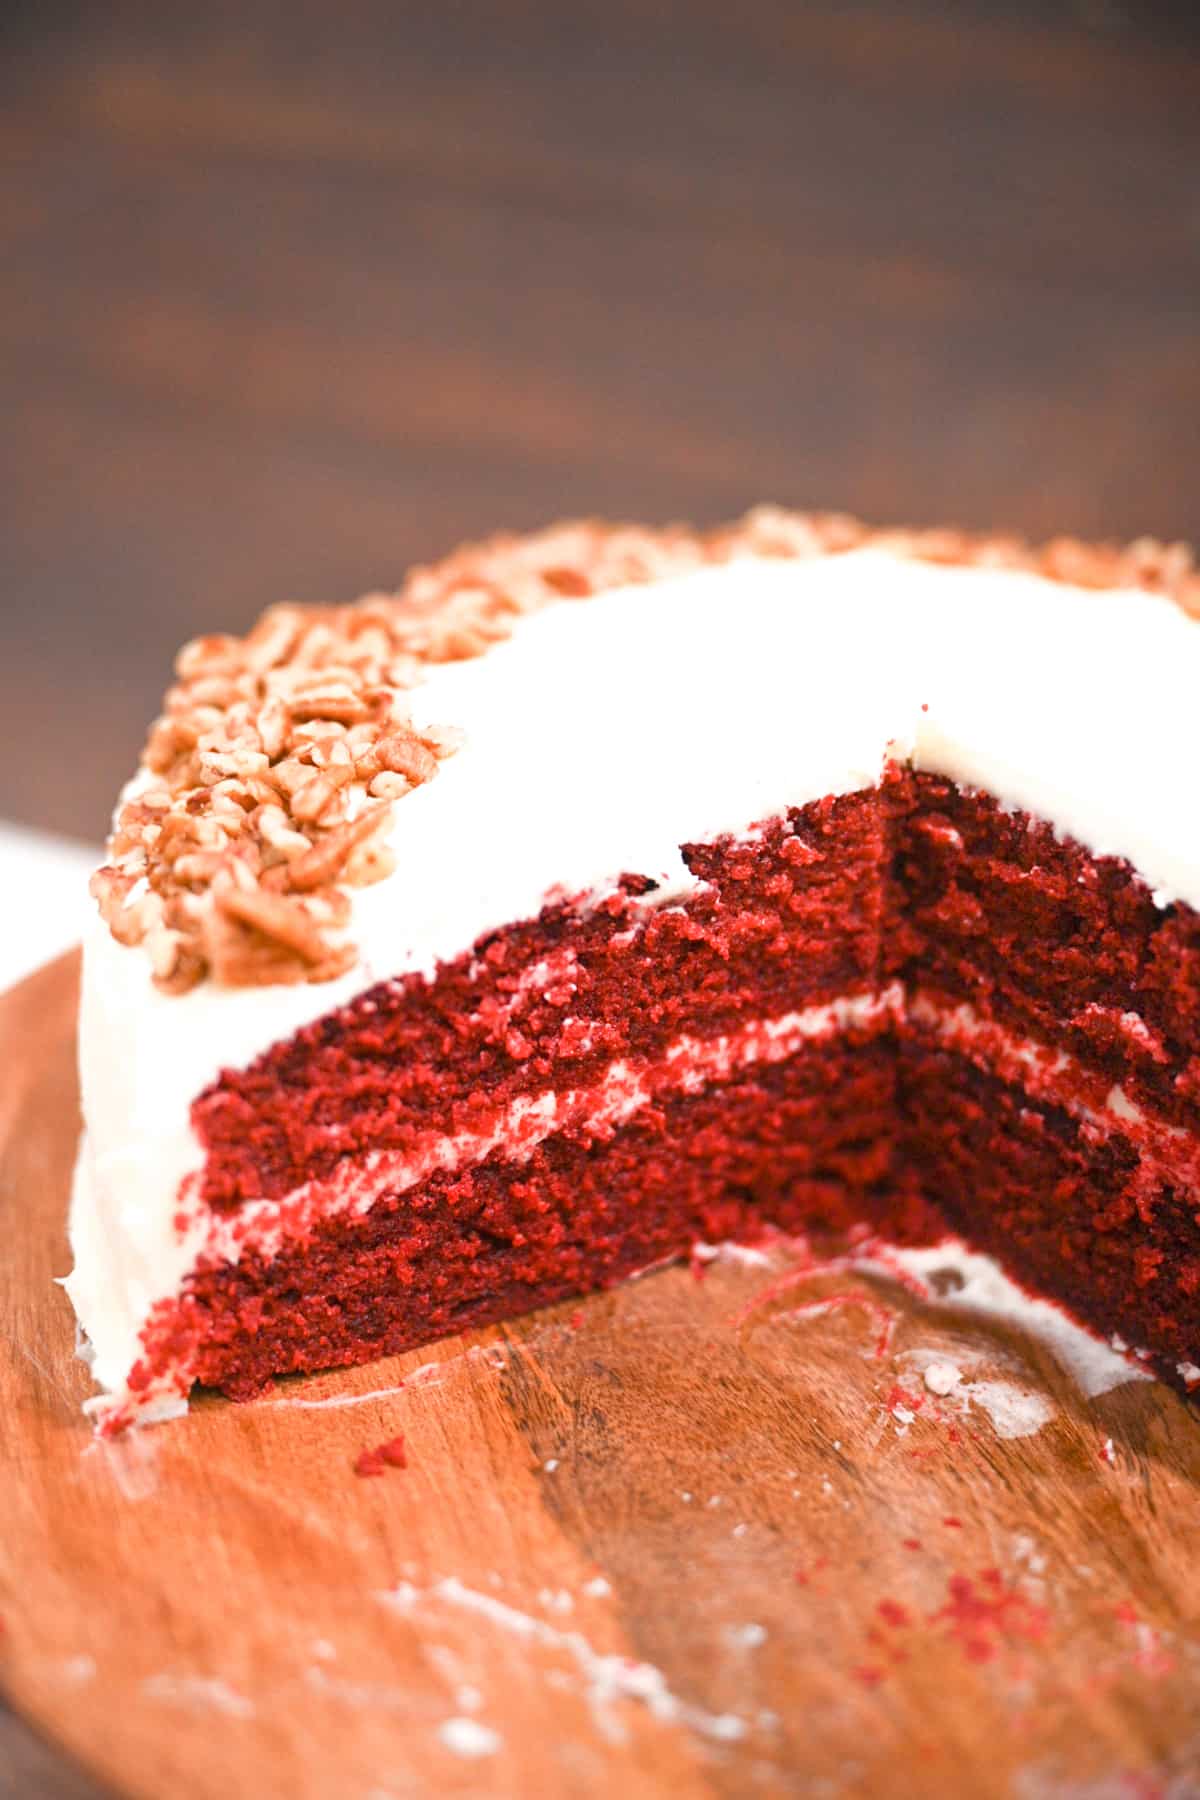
603, 735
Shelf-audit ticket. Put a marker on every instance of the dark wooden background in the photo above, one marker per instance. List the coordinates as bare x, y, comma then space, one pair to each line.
295, 294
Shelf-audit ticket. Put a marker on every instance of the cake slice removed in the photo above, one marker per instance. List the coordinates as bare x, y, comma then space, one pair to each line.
467, 949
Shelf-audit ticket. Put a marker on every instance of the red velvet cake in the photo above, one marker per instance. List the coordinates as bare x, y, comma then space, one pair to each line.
608, 890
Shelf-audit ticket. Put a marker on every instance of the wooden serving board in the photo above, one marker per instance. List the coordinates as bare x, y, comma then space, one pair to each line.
688, 1538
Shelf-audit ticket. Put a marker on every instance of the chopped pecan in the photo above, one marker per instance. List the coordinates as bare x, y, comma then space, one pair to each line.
327, 858
403, 753
283, 920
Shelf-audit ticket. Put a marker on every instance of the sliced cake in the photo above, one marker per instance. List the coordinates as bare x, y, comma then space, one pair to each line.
605, 890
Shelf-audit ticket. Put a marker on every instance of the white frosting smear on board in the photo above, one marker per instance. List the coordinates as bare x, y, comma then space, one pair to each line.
982, 1288
467, 1737
604, 1678
1015, 1412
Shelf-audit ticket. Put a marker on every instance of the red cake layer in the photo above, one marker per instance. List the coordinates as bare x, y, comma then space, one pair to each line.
809, 1144
800, 1144
787, 919
977, 905
1027, 1080
1068, 1214
1058, 945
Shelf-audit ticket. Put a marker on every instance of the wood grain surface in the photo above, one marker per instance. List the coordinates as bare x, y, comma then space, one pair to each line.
697, 1536
296, 293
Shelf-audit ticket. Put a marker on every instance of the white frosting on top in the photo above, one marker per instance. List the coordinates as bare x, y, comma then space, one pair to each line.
607, 732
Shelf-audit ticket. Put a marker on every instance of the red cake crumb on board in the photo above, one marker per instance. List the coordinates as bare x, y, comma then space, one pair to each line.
803, 1576
901, 1397
983, 1615
1149, 1654
389, 1455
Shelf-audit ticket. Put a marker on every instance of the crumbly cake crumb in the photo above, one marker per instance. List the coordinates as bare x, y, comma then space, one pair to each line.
390, 1455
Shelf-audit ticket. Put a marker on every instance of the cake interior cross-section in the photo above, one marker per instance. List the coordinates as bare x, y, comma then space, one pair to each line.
605, 891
